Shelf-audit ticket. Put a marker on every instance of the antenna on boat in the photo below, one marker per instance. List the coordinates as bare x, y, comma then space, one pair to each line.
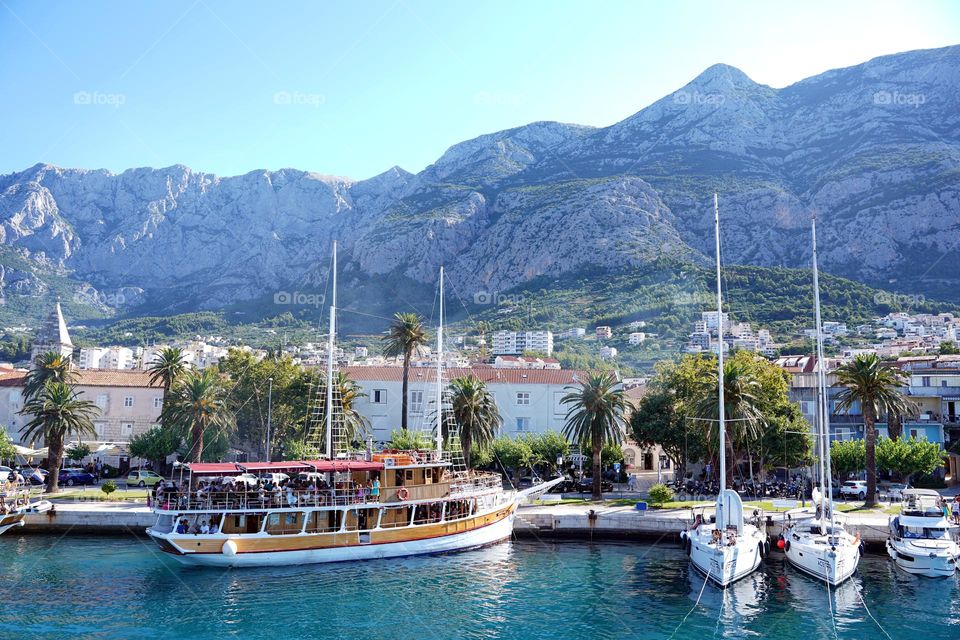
440, 371
721, 520
826, 482
330, 356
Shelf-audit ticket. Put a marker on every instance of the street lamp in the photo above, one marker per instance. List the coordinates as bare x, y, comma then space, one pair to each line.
269, 414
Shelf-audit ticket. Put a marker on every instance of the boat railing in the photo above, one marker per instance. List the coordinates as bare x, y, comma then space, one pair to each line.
222, 500
476, 483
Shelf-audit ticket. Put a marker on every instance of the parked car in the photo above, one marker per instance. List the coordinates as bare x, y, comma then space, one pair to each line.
143, 478
895, 491
528, 481
586, 485
854, 489
73, 477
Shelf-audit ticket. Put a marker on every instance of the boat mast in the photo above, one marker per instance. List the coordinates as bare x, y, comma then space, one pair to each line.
440, 371
721, 519
826, 482
330, 355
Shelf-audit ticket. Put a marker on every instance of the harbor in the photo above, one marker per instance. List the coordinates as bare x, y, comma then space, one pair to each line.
535, 521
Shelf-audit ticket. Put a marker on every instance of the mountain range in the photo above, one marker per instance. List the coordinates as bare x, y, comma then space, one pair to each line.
872, 150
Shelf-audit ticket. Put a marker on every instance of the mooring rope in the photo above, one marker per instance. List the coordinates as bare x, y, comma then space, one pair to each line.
695, 605
867, 609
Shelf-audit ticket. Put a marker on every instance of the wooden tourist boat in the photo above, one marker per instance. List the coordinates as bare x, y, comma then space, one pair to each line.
343, 507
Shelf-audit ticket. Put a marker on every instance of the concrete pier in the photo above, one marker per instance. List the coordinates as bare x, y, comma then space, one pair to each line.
580, 521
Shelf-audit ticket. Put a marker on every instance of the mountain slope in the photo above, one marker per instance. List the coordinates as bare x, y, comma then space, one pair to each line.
872, 147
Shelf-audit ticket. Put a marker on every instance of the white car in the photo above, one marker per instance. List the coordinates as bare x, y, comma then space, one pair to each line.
250, 479
895, 491
854, 489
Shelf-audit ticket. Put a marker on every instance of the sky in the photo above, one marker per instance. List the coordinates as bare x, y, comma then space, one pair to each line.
352, 89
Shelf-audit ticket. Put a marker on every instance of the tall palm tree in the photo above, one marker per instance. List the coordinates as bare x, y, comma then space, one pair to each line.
169, 364
741, 400
197, 404
476, 413
356, 426
878, 389
596, 417
58, 412
48, 367
405, 334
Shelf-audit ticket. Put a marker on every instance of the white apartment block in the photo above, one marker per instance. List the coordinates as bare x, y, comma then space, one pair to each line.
107, 358
516, 342
528, 399
638, 338
608, 353
604, 332
575, 333
710, 320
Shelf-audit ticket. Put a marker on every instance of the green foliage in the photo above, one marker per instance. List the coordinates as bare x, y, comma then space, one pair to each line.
7, 452
14, 348
907, 457
612, 452
405, 439
949, 348
197, 409
78, 452
546, 447
108, 487
155, 444
847, 456
660, 493
476, 413
513, 454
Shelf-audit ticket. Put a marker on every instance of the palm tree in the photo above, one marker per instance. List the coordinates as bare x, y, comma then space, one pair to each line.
196, 405
48, 367
741, 400
596, 417
476, 413
167, 367
878, 390
57, 412
405, 334
356, 426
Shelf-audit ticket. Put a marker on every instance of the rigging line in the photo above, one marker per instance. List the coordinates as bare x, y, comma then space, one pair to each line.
877, 622
723, 602
695, 604
833, 617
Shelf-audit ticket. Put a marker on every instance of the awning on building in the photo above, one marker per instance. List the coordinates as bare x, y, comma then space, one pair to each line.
326, 466
269, 467
211, 468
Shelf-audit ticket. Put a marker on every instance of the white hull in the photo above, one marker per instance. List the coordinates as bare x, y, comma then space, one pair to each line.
723, 563
480, 537
930, 562
11, 521
831, 558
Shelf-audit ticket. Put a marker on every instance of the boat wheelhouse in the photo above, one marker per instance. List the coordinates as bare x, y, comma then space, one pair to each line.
922, 540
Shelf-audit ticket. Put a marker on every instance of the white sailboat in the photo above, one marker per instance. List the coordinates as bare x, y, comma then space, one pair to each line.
815, 541
729, 548
922, 541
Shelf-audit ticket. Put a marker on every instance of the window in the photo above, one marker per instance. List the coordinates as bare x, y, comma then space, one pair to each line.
99, 428
126, 429
913, 432
943, 383
806, 407
128, 401
158, 402
523, 398
102, 401
924, 381
523, 424
416, 401
379, 396
558, 406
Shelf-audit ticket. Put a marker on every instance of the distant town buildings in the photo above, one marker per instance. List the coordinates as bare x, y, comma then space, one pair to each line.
517, 342
637, 338
736, 335
604, 332
576, 333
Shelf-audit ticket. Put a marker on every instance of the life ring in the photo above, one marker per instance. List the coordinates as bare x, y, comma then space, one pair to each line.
402, 493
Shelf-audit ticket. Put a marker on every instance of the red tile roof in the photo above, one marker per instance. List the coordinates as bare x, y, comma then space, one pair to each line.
91, 378
487, 374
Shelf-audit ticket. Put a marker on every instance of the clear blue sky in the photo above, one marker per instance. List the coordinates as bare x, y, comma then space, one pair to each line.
355, 88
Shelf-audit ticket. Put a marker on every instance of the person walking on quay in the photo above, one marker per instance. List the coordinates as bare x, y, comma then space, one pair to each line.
956, 509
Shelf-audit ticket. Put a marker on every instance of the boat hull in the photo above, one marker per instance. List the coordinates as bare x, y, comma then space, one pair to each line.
939, 564
481, 536
820, 561
724, 564
10, 521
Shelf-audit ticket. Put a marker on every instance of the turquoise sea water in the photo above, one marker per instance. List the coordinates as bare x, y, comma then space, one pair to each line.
115, 587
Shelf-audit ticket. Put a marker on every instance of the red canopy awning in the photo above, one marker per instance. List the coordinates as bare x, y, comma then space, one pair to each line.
289, 465
213, 468
326, 466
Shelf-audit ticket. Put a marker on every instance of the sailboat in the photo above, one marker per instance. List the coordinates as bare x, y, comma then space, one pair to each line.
817, 543
728, 548
342, 506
